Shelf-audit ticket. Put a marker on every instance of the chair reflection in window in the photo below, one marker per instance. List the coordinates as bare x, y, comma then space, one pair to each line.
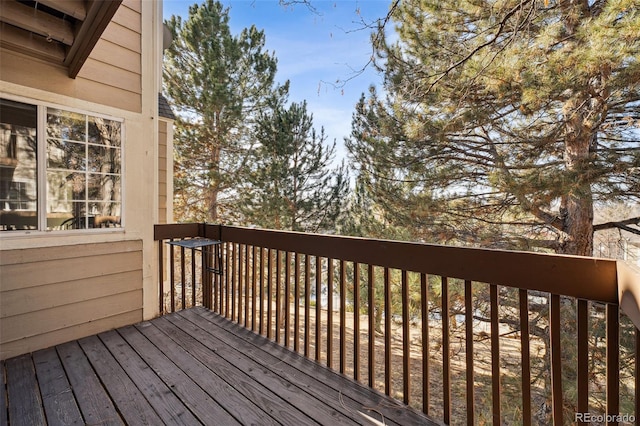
91, 222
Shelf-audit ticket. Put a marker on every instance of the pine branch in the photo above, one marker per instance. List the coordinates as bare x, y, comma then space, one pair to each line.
620, 225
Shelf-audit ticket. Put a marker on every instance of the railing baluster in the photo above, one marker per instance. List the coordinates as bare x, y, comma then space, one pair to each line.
495, 355
296, 303
287, 298
387, 332
254, 269
446, 353
234, 280
582, 320
330, 312
318, 307
613, 361
193, 279
217, 287
556, 359
278, 294
161, 276
406, 340
356, 321
183, 282
240, 282
227, 294
203, 277
261, 270
269, 293
247, 294
307, 305
468, 325
525, 357
372, 333
343, 317
424, 281
173, 278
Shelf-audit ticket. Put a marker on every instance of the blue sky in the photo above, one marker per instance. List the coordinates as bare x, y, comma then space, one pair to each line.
314, 50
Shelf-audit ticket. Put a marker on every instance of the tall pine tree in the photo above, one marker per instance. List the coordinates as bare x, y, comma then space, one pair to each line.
292, 185
218, 83
512, 116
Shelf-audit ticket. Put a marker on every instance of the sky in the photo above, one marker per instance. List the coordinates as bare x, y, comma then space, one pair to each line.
321, 52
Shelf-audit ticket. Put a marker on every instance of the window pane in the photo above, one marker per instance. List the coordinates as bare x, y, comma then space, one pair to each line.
103, 159
18, 166
104, 132
67, 215
66, 125
104, 215
104, 187
62, 154
64, 186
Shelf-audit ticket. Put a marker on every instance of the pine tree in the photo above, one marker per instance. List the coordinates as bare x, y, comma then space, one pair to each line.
218, 83
292, 185
508, 119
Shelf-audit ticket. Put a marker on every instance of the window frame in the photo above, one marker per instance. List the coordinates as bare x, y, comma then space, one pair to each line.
41, 166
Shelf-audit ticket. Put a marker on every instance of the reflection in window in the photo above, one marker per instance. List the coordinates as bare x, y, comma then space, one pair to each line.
83, 166
81, 182
18, 166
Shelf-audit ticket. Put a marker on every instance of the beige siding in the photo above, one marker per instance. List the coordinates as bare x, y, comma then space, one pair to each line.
55, 294
162, 172
111, 75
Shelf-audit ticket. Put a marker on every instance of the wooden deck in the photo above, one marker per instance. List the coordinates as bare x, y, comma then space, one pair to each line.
190, 367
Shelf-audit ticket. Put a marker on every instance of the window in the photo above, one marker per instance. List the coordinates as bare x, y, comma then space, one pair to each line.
58, 169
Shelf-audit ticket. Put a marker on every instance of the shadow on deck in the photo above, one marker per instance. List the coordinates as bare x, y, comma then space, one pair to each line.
190, 367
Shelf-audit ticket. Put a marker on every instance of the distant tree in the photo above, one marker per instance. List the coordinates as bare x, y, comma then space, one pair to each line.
506, 121
292, 185
218, 83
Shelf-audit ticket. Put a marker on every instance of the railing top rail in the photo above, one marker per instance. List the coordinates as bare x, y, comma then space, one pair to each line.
581, 277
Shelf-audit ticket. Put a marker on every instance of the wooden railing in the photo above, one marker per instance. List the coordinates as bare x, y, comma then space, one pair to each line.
465, 335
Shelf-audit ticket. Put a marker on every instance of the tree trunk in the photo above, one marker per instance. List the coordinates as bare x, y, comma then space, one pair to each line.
214, 185
212, 202
578, 224
576, 209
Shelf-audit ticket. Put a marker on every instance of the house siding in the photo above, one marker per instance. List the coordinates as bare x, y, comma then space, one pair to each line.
112, 75
162, 172
55, 294
57, 286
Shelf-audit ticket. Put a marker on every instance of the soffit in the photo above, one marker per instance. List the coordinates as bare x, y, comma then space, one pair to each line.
59, 31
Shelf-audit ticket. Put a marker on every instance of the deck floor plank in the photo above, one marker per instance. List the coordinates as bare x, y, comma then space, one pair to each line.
252, 407
168, 406
59, 403
187, 368
317, 409
269, 355
94, 402
130, 402
25, 403
275, 398
341, 388
205, 408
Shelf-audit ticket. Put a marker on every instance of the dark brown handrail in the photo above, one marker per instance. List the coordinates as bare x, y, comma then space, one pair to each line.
256, 291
